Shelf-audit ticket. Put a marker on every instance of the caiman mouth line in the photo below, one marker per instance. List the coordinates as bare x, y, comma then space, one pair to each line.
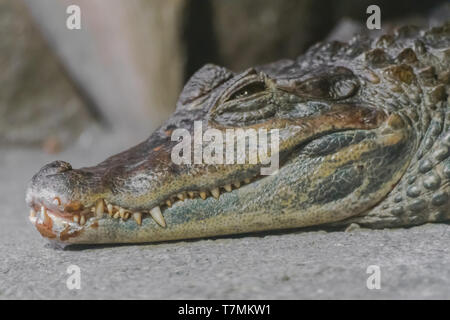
102, 208
78, 215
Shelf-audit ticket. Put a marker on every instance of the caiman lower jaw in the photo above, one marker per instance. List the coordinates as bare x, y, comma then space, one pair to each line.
45, 218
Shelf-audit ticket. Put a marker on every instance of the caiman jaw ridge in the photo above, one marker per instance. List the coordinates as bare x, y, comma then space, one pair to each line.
40, 214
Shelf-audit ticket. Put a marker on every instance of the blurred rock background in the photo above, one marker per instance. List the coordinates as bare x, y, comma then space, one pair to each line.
37, 98
125, 68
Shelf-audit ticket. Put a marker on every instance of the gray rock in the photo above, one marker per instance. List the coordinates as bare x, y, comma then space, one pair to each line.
127, 56
248, 34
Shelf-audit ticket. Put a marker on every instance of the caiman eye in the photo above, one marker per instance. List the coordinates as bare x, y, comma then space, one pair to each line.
333, 88
248, 90
330, 84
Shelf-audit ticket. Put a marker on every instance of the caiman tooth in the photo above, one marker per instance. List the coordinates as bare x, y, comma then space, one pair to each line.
32, 213
138, 217
191, 194
215, 192
126, 215
180, 196
168, 203
203, 195
76, 218
110, 209
247, 180
116, 215
82, 220
47, 219
158, 217
237, 184
56, 201
122, 212
99, 208
227, 187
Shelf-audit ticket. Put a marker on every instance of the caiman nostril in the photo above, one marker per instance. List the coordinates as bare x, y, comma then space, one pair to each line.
54, 168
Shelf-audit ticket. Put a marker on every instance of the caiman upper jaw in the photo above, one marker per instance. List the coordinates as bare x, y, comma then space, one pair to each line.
143, 181
63, 201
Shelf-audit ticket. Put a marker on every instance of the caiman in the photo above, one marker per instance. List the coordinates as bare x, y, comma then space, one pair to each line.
363, 138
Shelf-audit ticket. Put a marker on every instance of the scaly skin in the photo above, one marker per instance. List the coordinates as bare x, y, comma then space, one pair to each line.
364, 138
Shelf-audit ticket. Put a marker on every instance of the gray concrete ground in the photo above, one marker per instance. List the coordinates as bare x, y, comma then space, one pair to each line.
414, 262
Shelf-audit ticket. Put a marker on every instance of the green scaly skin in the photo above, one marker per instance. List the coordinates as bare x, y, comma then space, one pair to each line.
364, 138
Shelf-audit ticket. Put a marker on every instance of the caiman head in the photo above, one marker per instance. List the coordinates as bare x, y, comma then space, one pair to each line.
345, 121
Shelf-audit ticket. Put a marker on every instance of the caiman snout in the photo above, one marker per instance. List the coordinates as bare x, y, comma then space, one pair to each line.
49, 180
54, 167
60, 189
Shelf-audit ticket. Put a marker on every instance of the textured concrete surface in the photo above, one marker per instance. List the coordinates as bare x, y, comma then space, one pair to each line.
414, 262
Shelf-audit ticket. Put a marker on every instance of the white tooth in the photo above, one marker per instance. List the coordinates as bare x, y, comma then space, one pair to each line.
110, 209
121, 212
76, 218
215, 192
82, 220
99, 208
116, 215
46, 218
180, 196
237, 184
247, 180
32, 213
45, 215
203, 195
157, 215
191, 194
126, 215
169, 204
227, 187
138, 217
